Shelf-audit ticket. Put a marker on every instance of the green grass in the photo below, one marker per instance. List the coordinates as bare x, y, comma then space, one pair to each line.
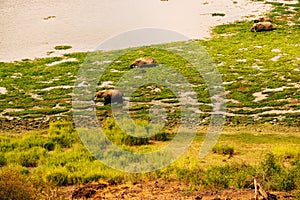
49, 17
62, 47
218, 14
57, 157
223, 149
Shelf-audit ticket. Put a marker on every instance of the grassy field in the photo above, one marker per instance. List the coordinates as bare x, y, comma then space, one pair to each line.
45, 160
40, 149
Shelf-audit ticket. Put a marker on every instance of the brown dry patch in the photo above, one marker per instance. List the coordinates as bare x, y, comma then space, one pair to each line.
156, 190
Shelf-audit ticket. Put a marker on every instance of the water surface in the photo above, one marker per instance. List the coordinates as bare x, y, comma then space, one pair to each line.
32, 28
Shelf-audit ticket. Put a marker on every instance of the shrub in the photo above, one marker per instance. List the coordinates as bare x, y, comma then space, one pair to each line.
28, 160
234, 175
13, 185
30, 141
58, 177
56, 128
49, 145
277, 177
130, 140
62, 47
117, 136
223, 149
218, 14
6, 144
62, 133
31, 158
3, 160
216, 177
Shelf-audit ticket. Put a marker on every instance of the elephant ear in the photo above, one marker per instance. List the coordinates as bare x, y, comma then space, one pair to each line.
104, 94
99, 94
138, 63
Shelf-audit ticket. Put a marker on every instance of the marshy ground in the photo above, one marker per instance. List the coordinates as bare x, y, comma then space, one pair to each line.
42, 156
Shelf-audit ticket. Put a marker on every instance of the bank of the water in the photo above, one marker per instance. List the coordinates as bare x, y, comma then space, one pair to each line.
31, 29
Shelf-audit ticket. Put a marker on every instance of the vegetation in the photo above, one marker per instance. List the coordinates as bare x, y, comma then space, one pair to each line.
260, 140
260, 72
49, 17
14, 185
224, 149
58, 158
62, 47
218, 14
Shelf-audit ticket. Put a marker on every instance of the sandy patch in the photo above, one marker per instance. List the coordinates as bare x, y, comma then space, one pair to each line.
3, 90
30, 29
259, 96
280, 112
35, 96
58, 87
106, 84
8, 110
276, 58
62, 61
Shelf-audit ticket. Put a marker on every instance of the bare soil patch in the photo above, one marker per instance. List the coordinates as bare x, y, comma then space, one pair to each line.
154, 190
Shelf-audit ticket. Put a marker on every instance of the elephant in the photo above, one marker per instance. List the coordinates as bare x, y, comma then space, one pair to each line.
143, 62
262, 26
110, 96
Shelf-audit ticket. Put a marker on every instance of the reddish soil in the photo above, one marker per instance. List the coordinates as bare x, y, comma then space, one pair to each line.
157, 190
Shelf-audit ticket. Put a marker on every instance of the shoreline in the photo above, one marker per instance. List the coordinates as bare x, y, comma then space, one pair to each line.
32, 30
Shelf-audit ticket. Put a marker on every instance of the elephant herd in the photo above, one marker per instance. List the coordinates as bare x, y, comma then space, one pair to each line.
116, 96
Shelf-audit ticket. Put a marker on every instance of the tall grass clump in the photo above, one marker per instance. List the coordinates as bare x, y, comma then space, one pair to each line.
58, 177
223, 149
119, 137
31, 157
3, 160
63, 134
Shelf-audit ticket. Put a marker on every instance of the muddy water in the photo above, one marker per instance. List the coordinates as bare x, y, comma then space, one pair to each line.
32, 28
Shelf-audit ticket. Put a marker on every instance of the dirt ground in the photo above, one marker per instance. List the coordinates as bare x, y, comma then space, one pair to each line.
157, 190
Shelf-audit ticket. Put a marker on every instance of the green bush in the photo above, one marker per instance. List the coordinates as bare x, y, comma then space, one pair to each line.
223, 149
278, 177
56, 128
49, 145
130, 140
31, 158
6, 144
3, 160
234, 175
58, 177
62, 47
28, 160
117, 136
63, 134
30, 141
